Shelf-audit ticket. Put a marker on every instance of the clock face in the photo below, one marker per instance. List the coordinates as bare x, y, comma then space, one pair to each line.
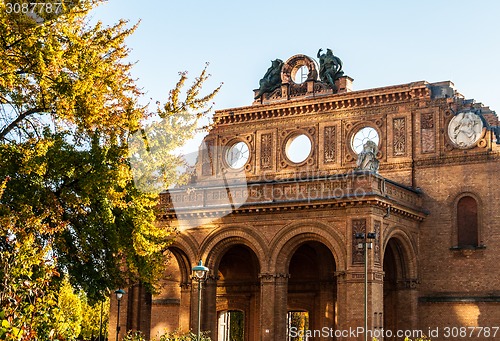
237, 155
465, 129
362, 136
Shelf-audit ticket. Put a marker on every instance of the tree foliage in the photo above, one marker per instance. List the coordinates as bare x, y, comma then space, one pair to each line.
69, 203
69, 315
168, 336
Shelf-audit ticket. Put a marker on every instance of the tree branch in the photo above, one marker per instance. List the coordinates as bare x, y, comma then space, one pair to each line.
19, 118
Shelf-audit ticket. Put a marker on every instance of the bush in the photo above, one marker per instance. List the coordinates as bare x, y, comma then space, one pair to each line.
168, 336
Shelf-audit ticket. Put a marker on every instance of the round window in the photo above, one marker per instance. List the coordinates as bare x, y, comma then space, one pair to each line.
299, 75
237, 155
298, 148
362, 136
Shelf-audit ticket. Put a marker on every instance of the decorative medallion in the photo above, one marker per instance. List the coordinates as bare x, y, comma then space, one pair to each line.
465, 129
298, 69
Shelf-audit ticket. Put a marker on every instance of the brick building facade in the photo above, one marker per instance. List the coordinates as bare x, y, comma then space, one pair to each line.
276, 202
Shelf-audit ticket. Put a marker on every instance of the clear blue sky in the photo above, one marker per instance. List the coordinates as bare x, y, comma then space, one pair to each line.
381, 43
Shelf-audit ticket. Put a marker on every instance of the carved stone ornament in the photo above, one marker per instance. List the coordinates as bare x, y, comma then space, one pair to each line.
465, 129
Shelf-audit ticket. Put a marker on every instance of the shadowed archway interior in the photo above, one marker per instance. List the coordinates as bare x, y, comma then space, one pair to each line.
312, 287
237, 291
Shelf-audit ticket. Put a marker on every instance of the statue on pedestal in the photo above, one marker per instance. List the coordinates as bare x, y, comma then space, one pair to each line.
272, 79
367, 159
330, 68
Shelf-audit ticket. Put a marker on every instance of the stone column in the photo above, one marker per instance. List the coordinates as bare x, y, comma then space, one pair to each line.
281, 300
184, 309
342, 305
353, 316
407, 311
273, 306
326, 307
267, 305
209, 307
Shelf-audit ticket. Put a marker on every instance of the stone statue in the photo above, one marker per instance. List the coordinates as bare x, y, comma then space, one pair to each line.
496, 130
367, 159
272, 79
330, 68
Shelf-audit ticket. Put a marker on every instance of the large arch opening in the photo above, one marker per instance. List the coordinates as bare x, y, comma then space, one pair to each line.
392, 272
312, 287
238, 293
169, 307
399, 296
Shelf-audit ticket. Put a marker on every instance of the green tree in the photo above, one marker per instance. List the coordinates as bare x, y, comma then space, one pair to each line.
68, 106
69, 313
27, 299
92, 318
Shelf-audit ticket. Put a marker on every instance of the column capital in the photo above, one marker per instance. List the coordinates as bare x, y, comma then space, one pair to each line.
408, 283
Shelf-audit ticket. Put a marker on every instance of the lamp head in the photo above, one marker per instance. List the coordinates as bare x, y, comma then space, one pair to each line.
200, 271
119, 294
359, 236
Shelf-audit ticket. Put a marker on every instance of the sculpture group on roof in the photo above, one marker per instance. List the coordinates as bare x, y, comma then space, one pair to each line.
330, 70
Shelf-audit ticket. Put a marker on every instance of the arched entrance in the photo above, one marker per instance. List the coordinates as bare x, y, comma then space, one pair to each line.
170, 307
237, 294
311, 288
399, 288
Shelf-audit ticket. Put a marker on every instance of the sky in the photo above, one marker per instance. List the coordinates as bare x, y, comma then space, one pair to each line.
380, 43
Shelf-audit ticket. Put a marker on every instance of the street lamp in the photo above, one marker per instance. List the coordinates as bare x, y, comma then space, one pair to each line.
365, 244
119, 294
199, 274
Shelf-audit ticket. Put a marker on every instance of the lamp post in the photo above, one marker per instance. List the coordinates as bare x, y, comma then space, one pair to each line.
199, 274
365, 244
119, 294
100, 321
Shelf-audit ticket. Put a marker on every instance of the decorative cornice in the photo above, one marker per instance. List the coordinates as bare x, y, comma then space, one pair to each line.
327, 103
469, 158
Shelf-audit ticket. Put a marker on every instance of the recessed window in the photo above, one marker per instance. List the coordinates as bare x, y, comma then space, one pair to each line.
362, 136
467, 222
237, 155
298, 148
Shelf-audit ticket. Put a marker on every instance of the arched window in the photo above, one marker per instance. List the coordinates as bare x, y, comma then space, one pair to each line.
467, 222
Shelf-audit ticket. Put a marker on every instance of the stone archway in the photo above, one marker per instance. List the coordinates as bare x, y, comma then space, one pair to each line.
238, 290
312, 287
170, 307
400, 299
235, 258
